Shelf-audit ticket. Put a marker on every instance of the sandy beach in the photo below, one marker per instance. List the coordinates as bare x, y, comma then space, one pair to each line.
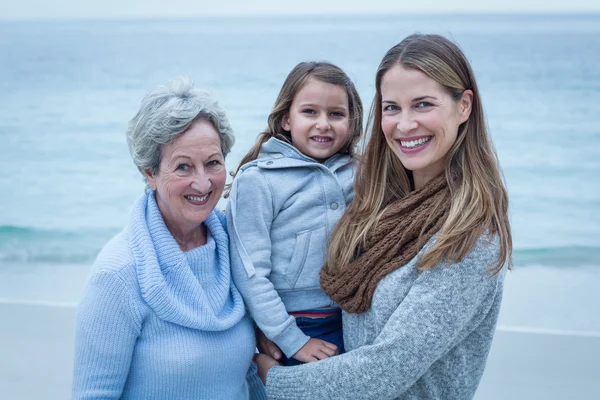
36, 344
546, 360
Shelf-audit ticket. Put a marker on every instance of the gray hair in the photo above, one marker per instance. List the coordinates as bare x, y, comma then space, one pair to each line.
166, 112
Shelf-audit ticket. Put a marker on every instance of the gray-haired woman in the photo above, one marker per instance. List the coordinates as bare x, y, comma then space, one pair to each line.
160, 317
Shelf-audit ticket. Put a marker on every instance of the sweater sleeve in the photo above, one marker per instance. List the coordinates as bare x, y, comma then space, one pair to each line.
443, 306
108, 325
249, 217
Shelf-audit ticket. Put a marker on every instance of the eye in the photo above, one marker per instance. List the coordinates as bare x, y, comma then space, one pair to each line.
390, 107
423, 104
338, 114
183, 167
308, 111
213, 163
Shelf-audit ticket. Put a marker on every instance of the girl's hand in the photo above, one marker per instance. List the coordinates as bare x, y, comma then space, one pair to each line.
264, 364
266, 346
316, 349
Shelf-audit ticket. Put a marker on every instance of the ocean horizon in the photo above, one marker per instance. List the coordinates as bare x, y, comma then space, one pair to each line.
69, 88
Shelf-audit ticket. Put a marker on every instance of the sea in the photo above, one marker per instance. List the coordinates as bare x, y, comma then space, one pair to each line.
68, 89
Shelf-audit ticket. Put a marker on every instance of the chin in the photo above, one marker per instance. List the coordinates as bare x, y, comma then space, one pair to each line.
413, 165
197, 219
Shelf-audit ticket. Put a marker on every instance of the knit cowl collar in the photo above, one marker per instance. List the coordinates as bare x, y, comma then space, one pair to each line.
167, 281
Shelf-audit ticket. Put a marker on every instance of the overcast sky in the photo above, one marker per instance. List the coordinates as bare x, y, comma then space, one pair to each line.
50, 9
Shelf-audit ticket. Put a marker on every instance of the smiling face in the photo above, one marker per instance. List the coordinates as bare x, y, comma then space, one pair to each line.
318, 119
420, 120
191, 177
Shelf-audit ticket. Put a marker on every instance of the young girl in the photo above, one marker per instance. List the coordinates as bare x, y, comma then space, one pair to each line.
289, 191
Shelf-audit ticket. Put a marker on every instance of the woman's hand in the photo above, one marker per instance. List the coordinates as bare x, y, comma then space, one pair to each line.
264, 364
266, 346
316, 349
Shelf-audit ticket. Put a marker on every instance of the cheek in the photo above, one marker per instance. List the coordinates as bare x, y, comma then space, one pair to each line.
173, 184
342, 128
219, 178
387, 127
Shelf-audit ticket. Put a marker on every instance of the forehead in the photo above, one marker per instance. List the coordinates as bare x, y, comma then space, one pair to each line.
201, 139
315, 91
400, 81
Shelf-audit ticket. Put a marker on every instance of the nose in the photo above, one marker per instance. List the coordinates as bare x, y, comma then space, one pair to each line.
201, 181
323, 123
406, 123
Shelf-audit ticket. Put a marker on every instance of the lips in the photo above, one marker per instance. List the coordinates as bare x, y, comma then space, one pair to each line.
414, 142
321, 139
197, 199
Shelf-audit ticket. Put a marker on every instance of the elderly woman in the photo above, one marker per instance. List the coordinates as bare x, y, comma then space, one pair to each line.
160, 317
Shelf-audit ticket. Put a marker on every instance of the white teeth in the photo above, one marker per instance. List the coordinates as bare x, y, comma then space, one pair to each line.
414, 143
321, 139
197, 198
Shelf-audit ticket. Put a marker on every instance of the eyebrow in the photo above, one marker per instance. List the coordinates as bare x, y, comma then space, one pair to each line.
314, 106
178, 157
215, 154
415, 100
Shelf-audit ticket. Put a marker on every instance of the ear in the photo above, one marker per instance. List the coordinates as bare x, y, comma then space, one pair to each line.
285, 122
465, 104
151, 178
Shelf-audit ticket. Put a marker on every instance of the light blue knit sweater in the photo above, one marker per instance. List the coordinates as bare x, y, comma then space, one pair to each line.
158, 323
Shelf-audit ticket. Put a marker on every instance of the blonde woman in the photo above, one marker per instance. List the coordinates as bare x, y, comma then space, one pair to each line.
417, 262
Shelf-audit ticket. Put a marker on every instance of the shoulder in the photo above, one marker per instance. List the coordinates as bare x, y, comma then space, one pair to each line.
113, 280
475, 269
117, 252
479, 264
116, 259
484, 254
252, 179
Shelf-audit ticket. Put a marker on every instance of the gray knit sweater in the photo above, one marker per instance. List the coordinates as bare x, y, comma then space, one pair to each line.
426, 336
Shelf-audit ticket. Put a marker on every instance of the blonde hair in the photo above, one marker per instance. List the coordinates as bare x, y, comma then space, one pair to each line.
479, 200
324, 72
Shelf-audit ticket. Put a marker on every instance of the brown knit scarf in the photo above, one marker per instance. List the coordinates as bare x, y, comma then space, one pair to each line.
392, 244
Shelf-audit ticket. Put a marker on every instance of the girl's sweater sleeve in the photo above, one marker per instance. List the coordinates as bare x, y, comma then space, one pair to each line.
249, 217
108, 325
443, 306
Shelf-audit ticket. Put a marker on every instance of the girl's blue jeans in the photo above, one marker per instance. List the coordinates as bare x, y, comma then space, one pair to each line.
328, 329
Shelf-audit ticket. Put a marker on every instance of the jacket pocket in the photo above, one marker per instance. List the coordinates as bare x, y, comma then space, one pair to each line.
301, 263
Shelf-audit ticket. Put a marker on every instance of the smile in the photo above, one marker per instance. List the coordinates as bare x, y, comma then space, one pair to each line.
197, 199
412, 144
321, 139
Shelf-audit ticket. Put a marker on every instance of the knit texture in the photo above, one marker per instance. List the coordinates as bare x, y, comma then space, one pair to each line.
158, 323
405, 226
426, 335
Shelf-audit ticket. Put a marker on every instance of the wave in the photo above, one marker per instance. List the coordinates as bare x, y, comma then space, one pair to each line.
11, 231
560, 256
32, 245
28, 245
